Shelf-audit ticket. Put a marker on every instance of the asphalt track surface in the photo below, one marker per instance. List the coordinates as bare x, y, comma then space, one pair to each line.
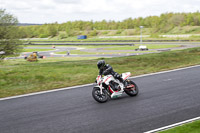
164, 99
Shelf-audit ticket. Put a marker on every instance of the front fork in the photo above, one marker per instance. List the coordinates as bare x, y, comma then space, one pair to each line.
101, 89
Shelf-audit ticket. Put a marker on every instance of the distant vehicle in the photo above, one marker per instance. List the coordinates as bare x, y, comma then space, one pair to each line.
2, 52
142, 48
82, 37
33, 57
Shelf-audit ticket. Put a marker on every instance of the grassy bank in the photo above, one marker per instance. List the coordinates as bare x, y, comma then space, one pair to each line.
187, 128
21, 77
111, 39
131, 34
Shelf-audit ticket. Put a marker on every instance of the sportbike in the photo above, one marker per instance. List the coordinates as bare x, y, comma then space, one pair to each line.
109, 87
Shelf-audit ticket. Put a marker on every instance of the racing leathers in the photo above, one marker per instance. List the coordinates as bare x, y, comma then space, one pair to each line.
107, 69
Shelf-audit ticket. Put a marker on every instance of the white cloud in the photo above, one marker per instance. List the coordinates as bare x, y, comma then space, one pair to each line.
48, 11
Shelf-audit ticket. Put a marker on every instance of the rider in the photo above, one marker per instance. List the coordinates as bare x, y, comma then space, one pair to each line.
106, 69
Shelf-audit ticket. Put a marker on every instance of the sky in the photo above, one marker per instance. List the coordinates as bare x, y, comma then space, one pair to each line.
50, 11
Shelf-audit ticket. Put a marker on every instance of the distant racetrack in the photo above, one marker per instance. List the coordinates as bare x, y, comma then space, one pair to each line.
67, 48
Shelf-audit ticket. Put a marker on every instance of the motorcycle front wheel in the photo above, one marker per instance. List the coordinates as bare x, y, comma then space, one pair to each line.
132, 89
101, 98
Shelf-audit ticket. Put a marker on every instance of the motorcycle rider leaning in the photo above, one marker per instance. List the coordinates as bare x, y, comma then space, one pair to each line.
106, 69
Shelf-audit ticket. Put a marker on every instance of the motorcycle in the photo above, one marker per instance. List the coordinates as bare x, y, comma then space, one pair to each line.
109, 87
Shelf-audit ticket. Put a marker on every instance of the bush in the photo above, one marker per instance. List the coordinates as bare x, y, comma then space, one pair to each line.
43, 36
62, 36
119, 32
93, 33
105, 32
129, 32
154, 35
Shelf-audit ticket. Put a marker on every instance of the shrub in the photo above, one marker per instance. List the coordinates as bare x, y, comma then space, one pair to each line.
105, 32
93, 33
62, 36
119, 32
43, 36
154, 35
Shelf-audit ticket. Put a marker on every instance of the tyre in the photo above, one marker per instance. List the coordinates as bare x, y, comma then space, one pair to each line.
133, 90
101, 98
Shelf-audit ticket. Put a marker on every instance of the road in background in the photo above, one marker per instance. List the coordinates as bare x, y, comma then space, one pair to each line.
116, 53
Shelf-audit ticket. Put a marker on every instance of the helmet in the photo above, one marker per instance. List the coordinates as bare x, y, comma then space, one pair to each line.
101, 64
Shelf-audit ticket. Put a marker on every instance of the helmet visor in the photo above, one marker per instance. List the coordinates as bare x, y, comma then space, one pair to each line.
99, 66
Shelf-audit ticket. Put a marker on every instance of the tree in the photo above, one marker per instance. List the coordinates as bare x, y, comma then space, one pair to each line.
10, 45
69, 29
177, 19
52, 30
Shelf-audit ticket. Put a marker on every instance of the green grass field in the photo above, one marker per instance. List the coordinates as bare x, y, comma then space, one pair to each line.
104, 47
21, 77
33, 50
193, 127
79, 52
149, 46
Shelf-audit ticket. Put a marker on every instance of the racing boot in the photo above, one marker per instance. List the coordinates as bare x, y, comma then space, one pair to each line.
125, 84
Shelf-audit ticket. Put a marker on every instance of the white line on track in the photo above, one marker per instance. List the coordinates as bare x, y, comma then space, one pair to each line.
68, 88
150, 74
43, 92
173, 125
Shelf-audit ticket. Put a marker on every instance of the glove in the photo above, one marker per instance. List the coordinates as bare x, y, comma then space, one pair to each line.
116, 75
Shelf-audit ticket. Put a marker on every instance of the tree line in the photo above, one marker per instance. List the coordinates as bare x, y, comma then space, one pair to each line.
160, 24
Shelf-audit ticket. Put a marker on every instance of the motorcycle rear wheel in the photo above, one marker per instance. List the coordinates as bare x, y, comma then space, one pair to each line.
101, 98
133, 91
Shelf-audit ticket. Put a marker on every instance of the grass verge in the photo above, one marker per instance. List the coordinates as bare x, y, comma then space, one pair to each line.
33, 50
21, 77
149, 46
80, 52
187, 128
